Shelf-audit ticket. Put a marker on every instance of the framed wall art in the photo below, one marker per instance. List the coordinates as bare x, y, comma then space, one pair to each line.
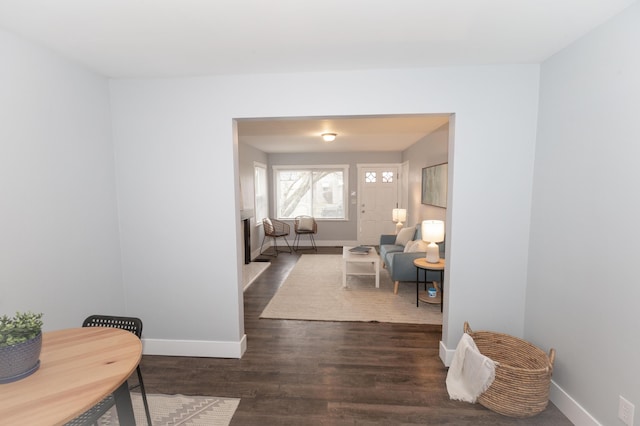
434, 185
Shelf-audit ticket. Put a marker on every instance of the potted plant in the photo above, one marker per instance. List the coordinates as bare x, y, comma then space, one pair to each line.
20, 344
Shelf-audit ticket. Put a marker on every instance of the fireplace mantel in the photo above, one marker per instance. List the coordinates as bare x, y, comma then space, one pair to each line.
246, 214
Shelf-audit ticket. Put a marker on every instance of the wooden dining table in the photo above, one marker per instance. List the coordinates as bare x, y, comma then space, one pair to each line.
78, 368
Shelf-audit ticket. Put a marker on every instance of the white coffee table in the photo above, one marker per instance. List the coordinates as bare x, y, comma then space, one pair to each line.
360, 264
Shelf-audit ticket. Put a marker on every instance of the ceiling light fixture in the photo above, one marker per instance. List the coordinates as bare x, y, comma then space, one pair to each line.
329, 137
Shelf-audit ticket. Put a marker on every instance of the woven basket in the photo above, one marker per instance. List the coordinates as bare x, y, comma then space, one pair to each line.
523, 374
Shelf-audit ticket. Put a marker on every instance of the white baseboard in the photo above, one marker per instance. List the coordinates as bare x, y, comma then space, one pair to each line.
256, 253
446, 355
570, 407
336, 243
196, 348
565, 403
323, 243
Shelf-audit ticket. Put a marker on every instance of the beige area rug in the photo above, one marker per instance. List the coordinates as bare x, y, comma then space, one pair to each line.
173, 410
313, 291
251, 271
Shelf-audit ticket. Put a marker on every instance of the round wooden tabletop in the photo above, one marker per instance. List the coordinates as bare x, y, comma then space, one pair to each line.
422, 263
78, 368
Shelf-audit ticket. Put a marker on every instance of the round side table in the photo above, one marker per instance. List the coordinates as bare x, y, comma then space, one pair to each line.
421, 264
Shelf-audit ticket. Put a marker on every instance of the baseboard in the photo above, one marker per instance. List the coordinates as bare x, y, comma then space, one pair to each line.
336, 243
570, 408
196, 348
256, 253
446, 355
323, 243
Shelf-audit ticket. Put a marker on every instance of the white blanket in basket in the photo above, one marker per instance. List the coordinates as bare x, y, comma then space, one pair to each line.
470, 372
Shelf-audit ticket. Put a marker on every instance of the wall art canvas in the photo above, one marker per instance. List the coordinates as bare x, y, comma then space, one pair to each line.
434, 185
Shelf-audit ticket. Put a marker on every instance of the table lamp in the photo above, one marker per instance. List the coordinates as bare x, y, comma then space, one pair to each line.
432, 233
399, 216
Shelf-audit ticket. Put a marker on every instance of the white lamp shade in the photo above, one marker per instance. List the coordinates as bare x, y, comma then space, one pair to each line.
399, 215
433, 231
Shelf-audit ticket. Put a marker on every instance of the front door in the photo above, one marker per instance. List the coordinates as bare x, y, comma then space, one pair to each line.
378, 196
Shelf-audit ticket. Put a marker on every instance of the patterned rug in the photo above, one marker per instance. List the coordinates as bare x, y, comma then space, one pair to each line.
313, 291
174, 410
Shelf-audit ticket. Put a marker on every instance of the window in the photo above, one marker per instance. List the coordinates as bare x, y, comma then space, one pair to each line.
318, 191
261, 192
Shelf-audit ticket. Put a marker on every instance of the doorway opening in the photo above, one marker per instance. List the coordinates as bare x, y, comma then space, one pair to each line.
400, 144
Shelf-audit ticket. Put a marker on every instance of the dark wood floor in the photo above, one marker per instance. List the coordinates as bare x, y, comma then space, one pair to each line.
327, 373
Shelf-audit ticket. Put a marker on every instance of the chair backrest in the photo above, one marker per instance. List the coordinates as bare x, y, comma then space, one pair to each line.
267, 225
275, 227
131, 324
305, 224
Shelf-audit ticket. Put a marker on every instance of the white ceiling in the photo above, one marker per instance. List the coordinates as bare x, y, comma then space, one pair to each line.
379, 133
167, 38
155, 38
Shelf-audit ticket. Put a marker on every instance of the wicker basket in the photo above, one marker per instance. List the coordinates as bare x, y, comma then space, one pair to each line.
523, 374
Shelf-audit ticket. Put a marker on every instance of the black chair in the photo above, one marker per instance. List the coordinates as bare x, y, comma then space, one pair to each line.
275, 229
305, 225
134, 325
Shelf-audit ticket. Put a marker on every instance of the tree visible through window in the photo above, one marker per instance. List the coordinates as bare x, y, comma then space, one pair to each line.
314, 191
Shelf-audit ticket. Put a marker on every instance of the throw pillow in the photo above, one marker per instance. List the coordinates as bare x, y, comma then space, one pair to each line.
305, 224
404, 236
418, 246
408, 246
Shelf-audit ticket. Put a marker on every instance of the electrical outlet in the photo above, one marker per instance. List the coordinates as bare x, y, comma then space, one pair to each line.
625, 411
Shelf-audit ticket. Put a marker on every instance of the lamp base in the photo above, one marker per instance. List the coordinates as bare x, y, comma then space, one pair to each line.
399, 226
433, 253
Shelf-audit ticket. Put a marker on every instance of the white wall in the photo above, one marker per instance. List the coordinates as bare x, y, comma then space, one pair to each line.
59, 243
181, 238
431, 150
583, 293
179, 210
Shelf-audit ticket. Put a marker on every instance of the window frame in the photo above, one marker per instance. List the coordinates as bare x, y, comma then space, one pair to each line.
344, 168
256, 192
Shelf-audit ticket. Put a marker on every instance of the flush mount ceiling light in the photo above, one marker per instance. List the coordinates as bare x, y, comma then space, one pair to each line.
329, 137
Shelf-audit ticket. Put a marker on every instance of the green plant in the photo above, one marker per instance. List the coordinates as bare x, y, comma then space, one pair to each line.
19, 328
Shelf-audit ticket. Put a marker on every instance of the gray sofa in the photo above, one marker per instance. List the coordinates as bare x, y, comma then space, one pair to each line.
400, 264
